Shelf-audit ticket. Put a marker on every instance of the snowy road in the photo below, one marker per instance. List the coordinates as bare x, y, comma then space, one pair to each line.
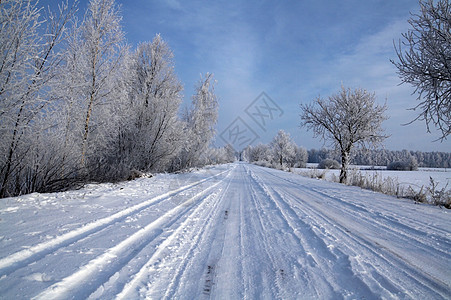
229, 232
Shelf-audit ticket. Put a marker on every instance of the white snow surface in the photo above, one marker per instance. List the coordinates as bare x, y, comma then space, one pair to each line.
235, 231
417, 180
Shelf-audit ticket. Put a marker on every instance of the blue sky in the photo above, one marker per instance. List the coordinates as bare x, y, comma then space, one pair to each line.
294, 51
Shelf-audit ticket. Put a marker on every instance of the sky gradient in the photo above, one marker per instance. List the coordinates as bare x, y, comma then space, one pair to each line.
293, 51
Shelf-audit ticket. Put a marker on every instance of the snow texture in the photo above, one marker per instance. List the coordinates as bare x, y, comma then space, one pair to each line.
227, 232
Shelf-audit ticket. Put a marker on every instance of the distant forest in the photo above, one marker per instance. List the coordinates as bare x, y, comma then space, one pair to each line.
383, 157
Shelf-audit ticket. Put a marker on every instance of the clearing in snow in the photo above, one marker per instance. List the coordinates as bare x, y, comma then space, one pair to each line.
229, 232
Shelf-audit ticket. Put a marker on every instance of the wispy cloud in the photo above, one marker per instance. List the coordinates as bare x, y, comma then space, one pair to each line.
174, 4
293, 50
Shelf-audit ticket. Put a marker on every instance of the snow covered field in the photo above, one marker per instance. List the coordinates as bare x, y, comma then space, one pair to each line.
415, 179
228, 232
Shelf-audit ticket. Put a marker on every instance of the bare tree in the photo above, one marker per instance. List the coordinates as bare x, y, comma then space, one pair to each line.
347, 119
425, 63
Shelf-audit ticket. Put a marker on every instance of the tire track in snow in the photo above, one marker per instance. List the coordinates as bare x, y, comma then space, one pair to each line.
34, 253
191, 231
230, 274
264, 225
201, 278
408, 274
395, 228
92, 275
389, 224
353, 207
322, 226
394, 224
280, 267
244, 267
299, 275
200, 230
318, 265
214, 266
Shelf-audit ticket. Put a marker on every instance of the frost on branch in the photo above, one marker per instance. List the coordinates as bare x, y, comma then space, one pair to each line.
424, 61
346, 119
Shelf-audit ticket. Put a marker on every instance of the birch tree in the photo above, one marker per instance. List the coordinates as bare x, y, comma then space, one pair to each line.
347, 119
100, 51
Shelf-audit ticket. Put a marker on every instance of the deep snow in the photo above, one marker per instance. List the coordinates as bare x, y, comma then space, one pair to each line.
227, 232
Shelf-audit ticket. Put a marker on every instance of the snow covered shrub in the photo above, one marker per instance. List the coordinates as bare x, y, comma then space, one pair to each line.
315, 173
375, 182
328, 164
263, 163
417, 196
440, 197
398, 166
410, 165
390, 186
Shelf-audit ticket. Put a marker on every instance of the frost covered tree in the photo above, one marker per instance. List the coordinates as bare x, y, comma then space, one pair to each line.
28, 61
226, 154
221, 155
347, 119
283, 148
259, 152
200, 123
99, 52
153, 130
300, 158
90, 109
76, 105
425, 62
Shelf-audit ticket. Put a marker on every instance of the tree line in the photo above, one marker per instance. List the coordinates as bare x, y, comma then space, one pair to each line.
282, 151
77, 104
383, 157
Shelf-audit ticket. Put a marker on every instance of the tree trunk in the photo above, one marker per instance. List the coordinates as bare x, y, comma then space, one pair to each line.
85, 135
15, 140
344, 166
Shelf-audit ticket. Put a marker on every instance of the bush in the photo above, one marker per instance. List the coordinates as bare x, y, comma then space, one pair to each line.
402, 166
398, 166
314, 173
328, 164
300, 164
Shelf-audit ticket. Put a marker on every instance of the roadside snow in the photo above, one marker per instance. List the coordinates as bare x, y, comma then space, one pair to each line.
230, 232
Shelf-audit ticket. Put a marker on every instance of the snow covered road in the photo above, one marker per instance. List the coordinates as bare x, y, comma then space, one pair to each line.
227, 232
